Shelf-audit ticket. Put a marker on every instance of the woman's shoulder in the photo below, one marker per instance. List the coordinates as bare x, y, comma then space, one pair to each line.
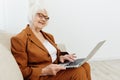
21, 35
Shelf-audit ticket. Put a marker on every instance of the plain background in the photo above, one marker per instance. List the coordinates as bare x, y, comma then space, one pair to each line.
79, 24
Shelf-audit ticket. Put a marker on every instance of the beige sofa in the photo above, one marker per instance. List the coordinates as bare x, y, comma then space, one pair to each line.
9, 70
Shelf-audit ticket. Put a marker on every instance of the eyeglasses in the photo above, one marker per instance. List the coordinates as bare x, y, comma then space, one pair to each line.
43, 16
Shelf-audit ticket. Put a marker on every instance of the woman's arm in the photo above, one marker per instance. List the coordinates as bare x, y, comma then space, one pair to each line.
18, 49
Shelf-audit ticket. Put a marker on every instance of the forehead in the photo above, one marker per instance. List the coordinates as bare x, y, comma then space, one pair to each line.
44, 12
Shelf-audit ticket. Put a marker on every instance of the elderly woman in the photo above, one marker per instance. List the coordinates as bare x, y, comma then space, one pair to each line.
37, 54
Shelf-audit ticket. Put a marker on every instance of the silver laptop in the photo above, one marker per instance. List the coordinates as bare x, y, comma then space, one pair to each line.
79, 62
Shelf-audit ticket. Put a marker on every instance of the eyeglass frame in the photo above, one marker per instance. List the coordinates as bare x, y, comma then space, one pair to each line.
41, 15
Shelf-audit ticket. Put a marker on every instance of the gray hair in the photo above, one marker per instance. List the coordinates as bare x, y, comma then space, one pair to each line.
34, 7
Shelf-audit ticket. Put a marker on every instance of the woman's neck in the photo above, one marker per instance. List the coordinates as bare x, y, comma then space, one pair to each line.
35, 29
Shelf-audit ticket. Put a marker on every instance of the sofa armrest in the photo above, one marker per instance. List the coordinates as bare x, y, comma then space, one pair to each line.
62, 49
9, 69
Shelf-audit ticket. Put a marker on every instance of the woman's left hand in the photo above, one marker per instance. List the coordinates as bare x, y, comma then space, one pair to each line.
69, 57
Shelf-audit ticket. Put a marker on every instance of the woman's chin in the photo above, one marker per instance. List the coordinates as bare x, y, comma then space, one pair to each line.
40, 27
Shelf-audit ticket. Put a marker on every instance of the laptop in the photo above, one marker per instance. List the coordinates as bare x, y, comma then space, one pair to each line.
79, 62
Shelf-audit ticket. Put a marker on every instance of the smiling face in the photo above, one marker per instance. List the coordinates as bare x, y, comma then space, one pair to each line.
40, 20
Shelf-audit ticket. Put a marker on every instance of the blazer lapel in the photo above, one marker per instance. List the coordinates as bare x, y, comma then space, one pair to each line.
34, 39
46, 36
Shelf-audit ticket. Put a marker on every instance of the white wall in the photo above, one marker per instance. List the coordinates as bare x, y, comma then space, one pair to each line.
1, 14
14, 14
79, 24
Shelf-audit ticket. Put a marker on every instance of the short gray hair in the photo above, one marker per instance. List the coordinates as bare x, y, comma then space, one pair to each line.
34, 7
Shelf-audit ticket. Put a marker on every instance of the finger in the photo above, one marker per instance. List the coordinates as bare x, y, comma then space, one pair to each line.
54, 73
62, 60
69, 59
62, 67
59, 67
73, 55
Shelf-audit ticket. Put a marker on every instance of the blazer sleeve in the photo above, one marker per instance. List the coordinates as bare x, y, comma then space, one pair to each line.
18, 49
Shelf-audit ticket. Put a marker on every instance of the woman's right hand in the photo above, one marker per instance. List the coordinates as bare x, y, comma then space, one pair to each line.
52, 69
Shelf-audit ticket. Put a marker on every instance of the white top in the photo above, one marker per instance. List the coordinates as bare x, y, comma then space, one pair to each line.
51, 49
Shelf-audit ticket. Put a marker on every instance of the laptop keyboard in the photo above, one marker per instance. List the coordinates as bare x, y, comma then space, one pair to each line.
75, 62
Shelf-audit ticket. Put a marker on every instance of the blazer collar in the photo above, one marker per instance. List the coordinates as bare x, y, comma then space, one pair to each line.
35, 40
49, 39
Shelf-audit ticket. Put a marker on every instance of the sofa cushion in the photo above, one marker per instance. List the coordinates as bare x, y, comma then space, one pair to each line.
5, 38
62, 47
9, 69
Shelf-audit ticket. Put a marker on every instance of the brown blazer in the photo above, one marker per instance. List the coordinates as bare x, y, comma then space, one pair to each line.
30, 53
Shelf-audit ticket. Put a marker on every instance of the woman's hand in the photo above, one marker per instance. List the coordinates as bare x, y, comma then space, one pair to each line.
69, 57
52, 69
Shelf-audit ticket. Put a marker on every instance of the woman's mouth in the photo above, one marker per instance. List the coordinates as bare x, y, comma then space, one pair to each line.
41, 23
